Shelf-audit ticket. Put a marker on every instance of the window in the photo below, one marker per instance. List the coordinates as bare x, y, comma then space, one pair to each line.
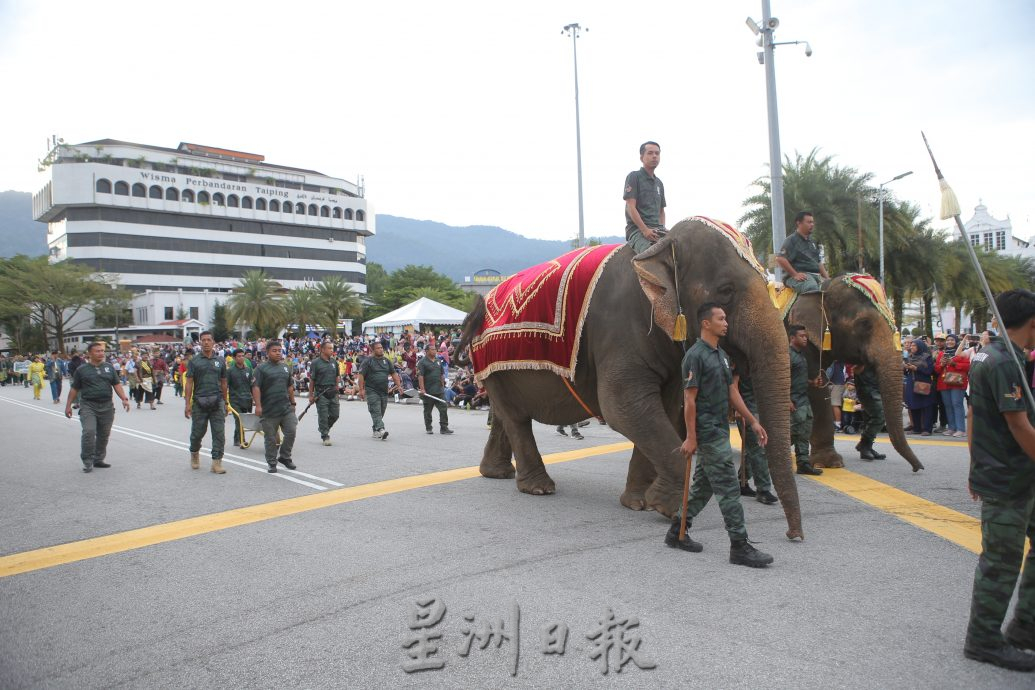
139, 190
325, 211
232, 201
155, 192
260, 204
246, 202
194, 312
975, 240
168, 313
122, 189
172, 194
313, 210
218, 199
988, 241
337, 212
288, 208
274, 205
188, 196
203, 197
1000, 240
104, 186
361, 215
348, 214
300, 208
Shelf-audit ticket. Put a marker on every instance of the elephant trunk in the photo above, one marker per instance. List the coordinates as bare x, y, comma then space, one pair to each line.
889, 373
764, 345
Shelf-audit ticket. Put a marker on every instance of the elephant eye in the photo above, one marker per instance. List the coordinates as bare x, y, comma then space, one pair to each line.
724, 292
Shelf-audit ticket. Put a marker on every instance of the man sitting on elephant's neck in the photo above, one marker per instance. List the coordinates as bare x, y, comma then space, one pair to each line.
799, 257
645, 201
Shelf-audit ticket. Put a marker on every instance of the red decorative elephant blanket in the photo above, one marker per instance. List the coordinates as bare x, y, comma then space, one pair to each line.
533, 320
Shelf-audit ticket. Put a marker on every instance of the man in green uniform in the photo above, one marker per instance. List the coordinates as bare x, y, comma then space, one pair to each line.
801, 410
429, 378
1002, 476
799, 257
274, 398
645, 200
323, 388
867, 387
708, 392
92, 384
373, 387
204, 394
239, 382
754, 456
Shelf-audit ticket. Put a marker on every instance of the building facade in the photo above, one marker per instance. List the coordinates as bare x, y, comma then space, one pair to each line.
995, 235
195, 218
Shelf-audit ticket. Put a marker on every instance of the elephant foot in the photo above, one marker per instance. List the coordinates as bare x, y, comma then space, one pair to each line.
664, 497
827, 457
793, 534
497, 469
538, 484
633, 500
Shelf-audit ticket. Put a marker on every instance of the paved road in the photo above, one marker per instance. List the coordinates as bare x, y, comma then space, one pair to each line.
315, 587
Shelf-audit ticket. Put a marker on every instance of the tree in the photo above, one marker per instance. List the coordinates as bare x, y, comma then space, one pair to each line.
336, 301
114, 309
220, 327
256, 302
302, 307
403, 283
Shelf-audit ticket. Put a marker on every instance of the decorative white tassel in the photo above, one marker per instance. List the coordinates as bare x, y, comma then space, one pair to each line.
950, 205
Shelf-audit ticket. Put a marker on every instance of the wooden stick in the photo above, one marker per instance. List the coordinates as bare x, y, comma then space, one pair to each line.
686, 497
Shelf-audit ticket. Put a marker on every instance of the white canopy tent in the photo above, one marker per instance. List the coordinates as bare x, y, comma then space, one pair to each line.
423, 312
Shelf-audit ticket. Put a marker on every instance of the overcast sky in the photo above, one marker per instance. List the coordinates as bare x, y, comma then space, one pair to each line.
463, 112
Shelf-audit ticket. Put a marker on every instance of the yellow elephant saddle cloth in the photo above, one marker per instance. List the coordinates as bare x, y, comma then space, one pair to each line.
533, 320
871, 287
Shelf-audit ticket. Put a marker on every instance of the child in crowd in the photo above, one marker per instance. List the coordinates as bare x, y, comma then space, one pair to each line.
849, 401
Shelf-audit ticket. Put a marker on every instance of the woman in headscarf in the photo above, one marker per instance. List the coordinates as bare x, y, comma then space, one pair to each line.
920, 395
36, 375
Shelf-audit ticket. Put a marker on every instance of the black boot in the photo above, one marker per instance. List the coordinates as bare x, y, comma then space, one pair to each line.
743, 553
866, 451
688, 544
1003, 654
286, 463
1021, 636
445, 430
746, 490
766, 497
807, 468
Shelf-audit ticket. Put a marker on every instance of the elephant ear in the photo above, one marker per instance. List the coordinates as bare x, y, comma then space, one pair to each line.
656, 273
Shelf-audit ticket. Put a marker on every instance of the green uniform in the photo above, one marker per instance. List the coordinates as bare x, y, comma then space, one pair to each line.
754, 456
96, 411
324, 375
273, 382
801, 418
239, 384
803, 255
430, 370
868, 388
207, 373
649, 192
376, 372
1004, 476
708, 370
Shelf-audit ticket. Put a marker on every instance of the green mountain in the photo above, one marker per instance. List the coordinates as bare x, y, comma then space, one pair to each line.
19, 233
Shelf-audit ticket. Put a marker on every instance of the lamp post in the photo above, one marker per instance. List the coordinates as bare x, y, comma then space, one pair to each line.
765, 32
880, 221
114, 289
573, 31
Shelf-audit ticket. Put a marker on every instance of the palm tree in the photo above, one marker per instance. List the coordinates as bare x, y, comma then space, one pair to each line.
255, 302
337, 300
302, 306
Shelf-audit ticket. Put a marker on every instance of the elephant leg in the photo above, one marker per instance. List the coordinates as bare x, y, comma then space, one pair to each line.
823, 452
532, 477
496, 458
641, 475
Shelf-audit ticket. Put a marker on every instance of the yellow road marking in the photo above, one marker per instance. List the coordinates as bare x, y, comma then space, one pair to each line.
48, 557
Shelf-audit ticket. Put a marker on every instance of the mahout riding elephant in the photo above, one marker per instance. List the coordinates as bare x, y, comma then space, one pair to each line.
628, 368
858, 335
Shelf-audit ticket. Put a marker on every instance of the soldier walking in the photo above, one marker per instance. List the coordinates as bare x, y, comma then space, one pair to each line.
1002, 477
323, 388
274, 398
373, 387
801, 410
239, 382
205, 392
707, 395
868, 389
754, 456
429, 378
92, 384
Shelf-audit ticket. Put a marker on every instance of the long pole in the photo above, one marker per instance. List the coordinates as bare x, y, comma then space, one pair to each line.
775, 169
574, 29
880, 225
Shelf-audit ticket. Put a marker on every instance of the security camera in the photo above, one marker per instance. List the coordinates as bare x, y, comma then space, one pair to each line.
773, 23
758, 41
752, 24
808, 49
761, 57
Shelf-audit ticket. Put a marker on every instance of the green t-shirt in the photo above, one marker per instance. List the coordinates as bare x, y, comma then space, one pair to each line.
95, 383
207, 373
801, 253
649, 193
239, 383
799, 378
429, 368
273, 381
708, 370
324, 375
998, 465
376, 371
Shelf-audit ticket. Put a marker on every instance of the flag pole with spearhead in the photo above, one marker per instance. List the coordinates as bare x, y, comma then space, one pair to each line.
950, 208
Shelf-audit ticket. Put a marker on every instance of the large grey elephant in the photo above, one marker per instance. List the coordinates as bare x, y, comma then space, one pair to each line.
858, 335
628, 369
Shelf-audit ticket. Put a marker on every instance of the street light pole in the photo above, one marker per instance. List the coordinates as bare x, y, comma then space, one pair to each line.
775, 164
114, 289
880, 221
573, 31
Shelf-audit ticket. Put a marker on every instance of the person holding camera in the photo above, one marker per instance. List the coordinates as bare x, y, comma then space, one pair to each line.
953, 370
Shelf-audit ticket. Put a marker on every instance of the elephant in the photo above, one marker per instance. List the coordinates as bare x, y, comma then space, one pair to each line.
858, 335
628, 368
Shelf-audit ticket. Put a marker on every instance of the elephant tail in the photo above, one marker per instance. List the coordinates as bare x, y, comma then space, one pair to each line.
470, 327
